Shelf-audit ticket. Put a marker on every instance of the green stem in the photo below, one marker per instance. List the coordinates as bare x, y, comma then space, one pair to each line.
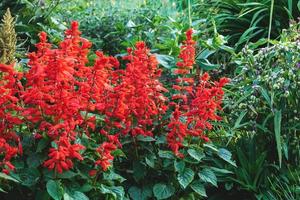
270, 22
190, 17
135, 147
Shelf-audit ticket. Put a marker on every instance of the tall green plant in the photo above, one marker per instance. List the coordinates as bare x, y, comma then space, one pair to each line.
243, 21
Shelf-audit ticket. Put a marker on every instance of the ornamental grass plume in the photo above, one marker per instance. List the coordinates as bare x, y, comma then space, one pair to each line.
8, 39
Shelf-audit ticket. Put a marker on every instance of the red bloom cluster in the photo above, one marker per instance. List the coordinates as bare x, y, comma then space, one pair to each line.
138, 98
61, 90
104, 151
195, 103
10, 144
61, 157
63, 96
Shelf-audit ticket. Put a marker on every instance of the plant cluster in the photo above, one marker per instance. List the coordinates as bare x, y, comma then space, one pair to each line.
263, 109
75, 116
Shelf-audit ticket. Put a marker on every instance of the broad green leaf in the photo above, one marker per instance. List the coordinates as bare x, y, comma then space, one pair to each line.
34, 160
163, 191
226, 155
150, 161
140, 193
86, 188
29, 176
166, 154
205, 54
54, 189
277, 129
165, 60
139, 170
179, 165
42, 144
75, 196
7, 177
67, 175
206, 65
185, 177
42, 195
119, 191
145, 138
112, 176
116, 191
196, 154
118, 153
199, 188
208, 176
211, 146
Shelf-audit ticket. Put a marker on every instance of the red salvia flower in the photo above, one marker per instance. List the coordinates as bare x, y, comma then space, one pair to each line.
10, 144
196, 104
61, 157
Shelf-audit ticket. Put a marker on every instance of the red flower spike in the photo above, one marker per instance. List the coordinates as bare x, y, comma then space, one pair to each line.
195, 104
10, 144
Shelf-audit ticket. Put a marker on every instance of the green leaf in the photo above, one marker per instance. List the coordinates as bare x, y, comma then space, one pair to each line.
277, 128
179, 165
139, 171
42, 144
206, 65
199, 188
166, 154
150, 161
7, 177
117, 192
140, 193
67, 175
221, 171
135, 193
29, 176
196, 154
208, 176
237, 124
266, 96
185, 177
226, 155
118, 153
75, 196
211, 146
205, 54
130, 24
34, 160
112, 176
163, 191
145, 138
165, 60
86, 188
54, 189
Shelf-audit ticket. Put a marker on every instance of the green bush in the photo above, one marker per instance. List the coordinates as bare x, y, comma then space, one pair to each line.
263, 106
